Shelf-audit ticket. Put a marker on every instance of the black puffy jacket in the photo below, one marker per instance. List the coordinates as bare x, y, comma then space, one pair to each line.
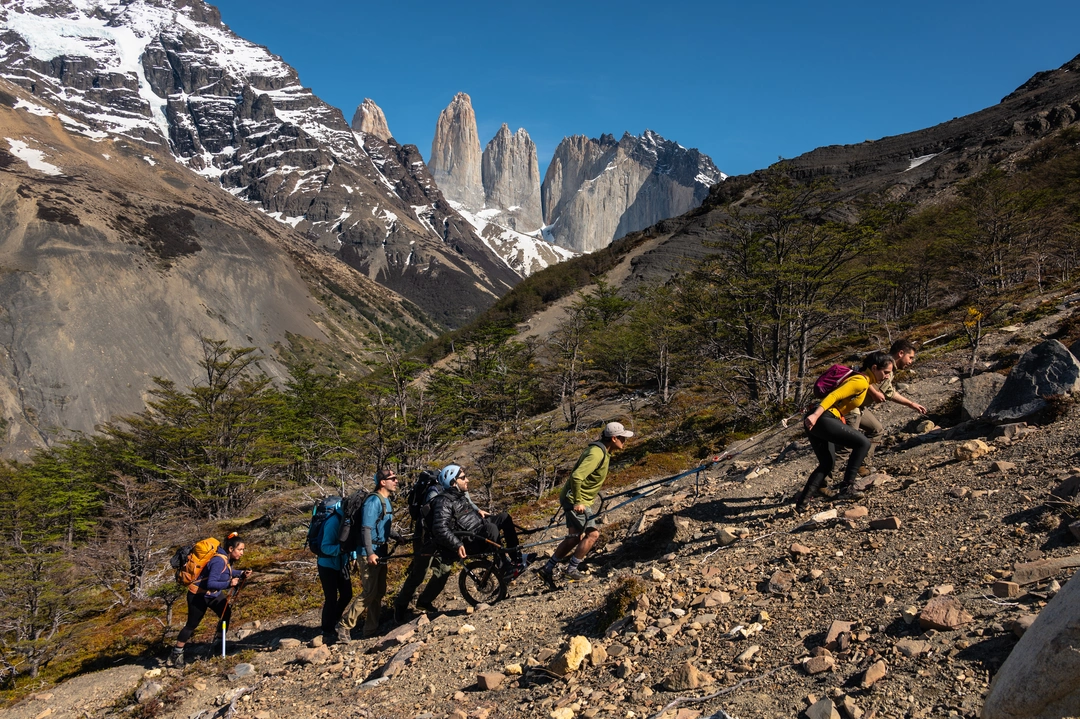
452, 512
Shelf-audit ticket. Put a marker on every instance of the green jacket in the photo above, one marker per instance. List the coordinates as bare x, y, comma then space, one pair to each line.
588, 476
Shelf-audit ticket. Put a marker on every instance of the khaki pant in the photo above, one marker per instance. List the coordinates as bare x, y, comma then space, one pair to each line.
864, 421
373, 581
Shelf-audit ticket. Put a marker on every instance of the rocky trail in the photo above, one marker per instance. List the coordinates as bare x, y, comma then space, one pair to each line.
903, 604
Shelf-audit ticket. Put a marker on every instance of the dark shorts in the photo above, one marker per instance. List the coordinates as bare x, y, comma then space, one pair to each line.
578, 523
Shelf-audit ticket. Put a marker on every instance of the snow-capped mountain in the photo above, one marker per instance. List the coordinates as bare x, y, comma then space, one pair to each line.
169, 74
497, 191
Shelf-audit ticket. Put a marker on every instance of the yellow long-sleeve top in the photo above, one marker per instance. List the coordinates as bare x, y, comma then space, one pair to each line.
851, 393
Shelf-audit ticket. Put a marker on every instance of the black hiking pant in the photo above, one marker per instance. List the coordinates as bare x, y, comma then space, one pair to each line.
829, 433
337, 593
505, 526
197, 604
424, 559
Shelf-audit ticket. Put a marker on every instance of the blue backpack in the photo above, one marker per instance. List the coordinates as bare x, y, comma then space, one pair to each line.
319, 514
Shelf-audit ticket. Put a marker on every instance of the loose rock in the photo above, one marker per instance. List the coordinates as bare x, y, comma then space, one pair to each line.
943, 613
1006, 590
148, 691
570, 659
874, 673
817, 665
490, 681
886, 523
686, 676
823, 709
971, 450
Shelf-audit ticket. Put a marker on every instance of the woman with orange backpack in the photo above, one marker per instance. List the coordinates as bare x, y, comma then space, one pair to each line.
826, 428
210, 591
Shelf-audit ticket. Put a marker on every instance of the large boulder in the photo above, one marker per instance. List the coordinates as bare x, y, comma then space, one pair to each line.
979, 392
1041, 677
1047, 369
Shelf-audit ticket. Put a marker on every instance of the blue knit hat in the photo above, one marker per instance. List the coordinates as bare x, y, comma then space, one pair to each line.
448, 474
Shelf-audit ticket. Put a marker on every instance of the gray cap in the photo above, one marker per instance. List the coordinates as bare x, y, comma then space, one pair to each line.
615, 429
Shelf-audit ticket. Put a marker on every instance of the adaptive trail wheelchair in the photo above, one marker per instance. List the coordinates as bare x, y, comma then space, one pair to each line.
485, 577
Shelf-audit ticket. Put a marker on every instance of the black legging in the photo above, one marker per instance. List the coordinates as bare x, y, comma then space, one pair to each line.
828, 433
492, 526
505, 524
337, 593
197, 604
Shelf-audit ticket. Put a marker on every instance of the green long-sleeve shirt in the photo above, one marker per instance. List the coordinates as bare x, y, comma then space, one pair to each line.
588, 476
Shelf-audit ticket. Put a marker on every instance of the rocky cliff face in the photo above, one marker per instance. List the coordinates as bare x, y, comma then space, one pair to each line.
168, 73
369, 119
597, 190
455, 154
511, 178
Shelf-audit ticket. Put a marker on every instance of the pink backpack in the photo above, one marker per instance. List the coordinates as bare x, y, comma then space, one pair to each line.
830, 379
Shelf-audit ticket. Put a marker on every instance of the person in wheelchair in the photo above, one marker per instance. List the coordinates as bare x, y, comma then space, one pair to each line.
460, 529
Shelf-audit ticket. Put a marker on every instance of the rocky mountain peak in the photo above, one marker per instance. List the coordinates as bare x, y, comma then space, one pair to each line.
511, 178
455, 154
597, 190
369, 119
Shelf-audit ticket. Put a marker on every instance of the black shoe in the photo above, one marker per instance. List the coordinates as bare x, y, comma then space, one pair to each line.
429, 608
401, 614
548, 576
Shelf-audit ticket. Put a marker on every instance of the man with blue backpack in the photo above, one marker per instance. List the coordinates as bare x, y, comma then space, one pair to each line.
372, 544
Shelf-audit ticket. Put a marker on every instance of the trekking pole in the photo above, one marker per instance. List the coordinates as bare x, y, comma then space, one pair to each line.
225, 610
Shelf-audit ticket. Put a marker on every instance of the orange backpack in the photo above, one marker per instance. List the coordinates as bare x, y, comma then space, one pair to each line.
197, 557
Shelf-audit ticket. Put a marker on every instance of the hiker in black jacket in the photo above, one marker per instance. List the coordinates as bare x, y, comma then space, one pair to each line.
425, 558
459, 528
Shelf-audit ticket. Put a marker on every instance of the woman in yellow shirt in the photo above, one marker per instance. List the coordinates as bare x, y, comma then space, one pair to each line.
827, 430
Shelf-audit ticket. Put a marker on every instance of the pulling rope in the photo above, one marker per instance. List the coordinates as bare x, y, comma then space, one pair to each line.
634, 494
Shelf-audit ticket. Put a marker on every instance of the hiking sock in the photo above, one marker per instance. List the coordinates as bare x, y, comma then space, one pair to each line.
574, 563
551, 564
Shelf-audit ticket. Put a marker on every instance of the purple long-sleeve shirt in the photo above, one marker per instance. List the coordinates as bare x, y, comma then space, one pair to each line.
216, 575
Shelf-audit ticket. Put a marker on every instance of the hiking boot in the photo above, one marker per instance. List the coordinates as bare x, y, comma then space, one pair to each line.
574, 574
344, 636
851, 494
176, 658
401, 614
429, 608
516, 569
865, 471
828, 493
548, 576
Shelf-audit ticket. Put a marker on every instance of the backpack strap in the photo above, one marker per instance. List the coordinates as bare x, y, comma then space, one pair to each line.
601, 445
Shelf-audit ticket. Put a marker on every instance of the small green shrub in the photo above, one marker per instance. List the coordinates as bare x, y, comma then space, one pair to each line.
627, 588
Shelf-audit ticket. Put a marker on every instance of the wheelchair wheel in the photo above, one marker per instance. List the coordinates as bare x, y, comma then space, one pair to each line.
481, 582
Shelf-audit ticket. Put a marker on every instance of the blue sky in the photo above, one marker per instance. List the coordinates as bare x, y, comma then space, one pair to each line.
744, 82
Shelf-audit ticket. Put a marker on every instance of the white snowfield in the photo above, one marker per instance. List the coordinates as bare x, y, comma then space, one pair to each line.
34, 158
921, 160
524, 253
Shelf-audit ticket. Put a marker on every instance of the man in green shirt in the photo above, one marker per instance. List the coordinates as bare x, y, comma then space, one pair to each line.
576, 499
